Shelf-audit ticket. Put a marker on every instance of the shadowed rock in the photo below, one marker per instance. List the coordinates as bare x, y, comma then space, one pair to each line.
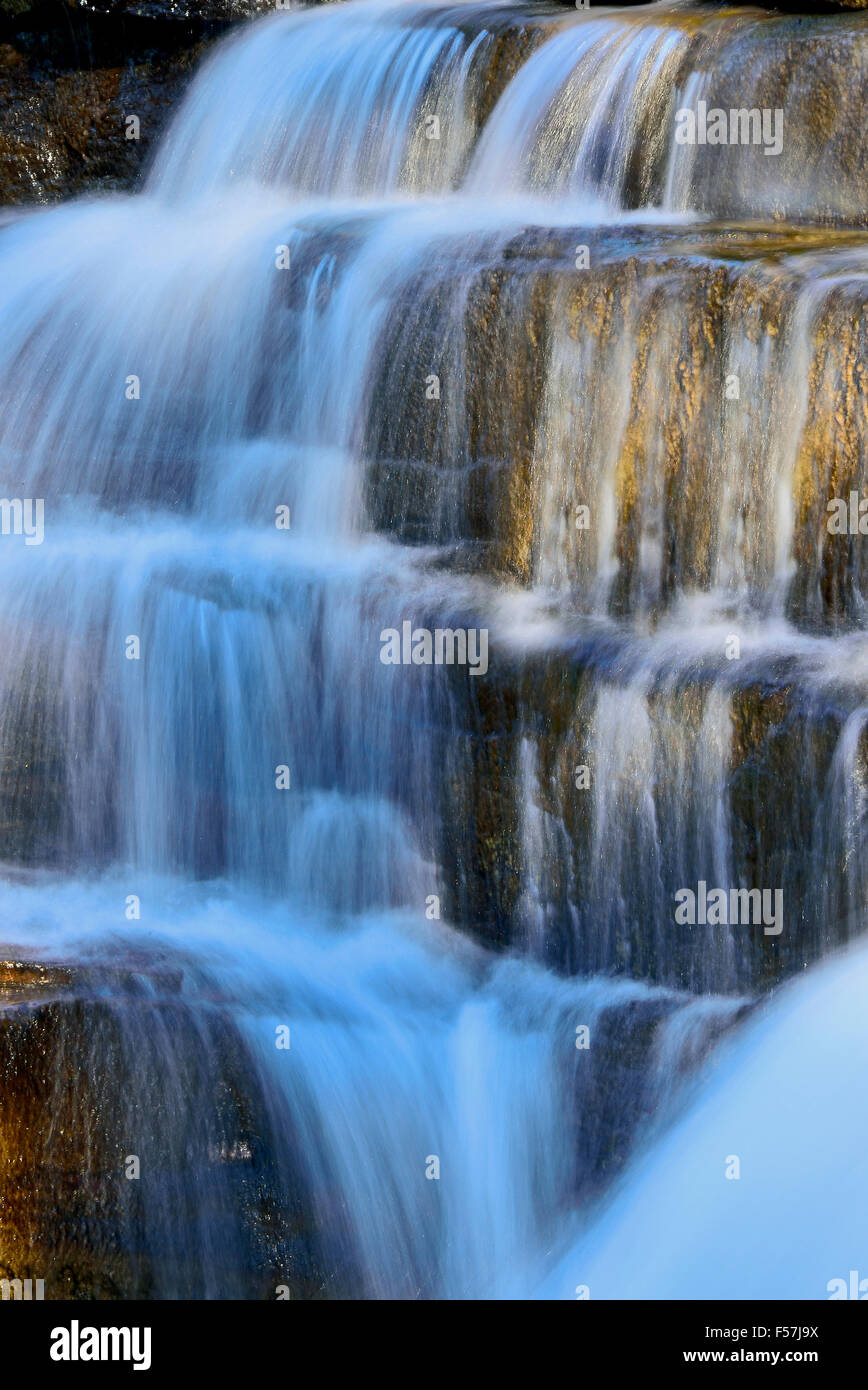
745, 776
703, 396
99, 1063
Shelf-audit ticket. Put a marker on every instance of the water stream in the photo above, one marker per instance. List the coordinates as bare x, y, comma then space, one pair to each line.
334, 369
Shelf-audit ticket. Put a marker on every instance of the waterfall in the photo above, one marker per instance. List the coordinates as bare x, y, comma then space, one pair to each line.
678, 1229
598, 84
338, 110
380, 993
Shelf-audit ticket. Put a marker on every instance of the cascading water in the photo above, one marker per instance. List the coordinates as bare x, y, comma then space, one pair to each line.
678, 1232
335, 370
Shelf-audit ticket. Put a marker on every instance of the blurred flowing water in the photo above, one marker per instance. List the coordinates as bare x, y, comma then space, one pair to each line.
350, 203
786, 1228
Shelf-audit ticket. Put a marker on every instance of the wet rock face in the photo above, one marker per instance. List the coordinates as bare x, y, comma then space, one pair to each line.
32, 785
666, 421
67, 87
104, 1064
608, 389
72, 75
689, 776
63, 133
97, 1065
452, 452
796, 6
180, 10
728, 112
176, 11
808, 72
